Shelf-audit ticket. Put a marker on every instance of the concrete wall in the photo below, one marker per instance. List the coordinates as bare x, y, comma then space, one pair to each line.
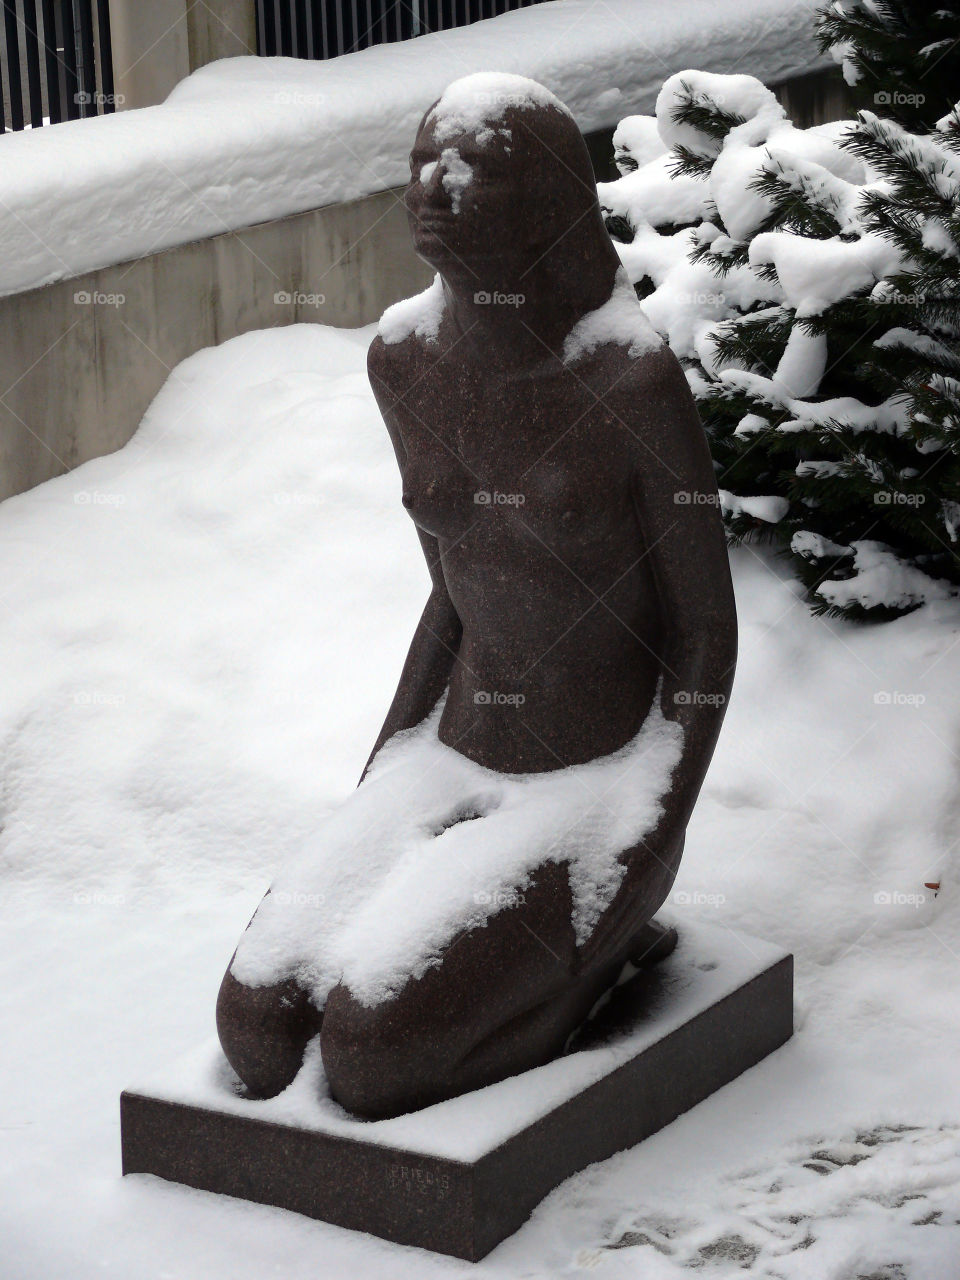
224, 29
81, 359
157, 43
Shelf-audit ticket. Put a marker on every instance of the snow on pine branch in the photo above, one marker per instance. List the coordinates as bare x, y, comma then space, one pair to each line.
784, 267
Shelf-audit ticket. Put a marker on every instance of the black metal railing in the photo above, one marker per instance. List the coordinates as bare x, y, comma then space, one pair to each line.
327, 28
56, 62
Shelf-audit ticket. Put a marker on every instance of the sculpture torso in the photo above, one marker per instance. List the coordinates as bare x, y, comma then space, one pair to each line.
529, 487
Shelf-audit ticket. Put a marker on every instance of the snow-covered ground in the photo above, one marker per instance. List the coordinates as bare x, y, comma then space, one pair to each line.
198, 639
245, 140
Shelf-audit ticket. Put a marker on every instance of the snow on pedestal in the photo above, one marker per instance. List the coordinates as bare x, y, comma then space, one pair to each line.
459, 1176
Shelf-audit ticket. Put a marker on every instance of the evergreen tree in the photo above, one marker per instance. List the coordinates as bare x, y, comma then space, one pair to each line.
900, 57
918, 360
830, 388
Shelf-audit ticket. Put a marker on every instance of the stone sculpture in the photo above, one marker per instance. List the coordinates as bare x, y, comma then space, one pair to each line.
523, 812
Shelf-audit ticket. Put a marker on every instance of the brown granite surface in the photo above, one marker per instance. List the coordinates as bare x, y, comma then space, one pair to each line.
597, 585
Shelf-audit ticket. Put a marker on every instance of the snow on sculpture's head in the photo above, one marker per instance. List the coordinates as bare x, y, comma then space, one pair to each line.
500, 173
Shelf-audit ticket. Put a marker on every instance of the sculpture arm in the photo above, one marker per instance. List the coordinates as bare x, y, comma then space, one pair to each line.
682, 534
430, 658
679, 516
433, 650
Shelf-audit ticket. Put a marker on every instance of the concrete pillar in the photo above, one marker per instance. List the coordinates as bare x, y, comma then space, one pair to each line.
819, 97
222, 29
158, 44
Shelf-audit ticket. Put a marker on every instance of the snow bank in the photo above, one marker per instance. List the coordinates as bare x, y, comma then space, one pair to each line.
769, 509
890, 415
199, 637
736, 95
652, 193
245, 140
881, 578
636, 141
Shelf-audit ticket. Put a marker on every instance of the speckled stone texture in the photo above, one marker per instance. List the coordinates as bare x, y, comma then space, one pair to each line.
567, 510
372, 1178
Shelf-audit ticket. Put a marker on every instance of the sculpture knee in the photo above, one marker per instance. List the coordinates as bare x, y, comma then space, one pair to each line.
377, 1062
264, 1032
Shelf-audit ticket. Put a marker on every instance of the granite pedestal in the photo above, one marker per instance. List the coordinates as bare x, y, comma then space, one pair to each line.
460, 1176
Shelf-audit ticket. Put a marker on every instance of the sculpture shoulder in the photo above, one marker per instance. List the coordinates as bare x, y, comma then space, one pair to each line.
381, 361
398, 354
385, 370
656, 372
393, 367
650, 398
652, 391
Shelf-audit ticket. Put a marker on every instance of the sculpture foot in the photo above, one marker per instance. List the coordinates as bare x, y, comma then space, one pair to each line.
653, 943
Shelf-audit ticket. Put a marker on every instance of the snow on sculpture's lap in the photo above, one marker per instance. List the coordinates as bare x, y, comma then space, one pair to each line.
431, 844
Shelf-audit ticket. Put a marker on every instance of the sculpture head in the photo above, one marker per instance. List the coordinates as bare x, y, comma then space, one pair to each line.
501, 181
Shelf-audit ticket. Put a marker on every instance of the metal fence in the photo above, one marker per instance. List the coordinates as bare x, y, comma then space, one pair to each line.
55, 62
327, 28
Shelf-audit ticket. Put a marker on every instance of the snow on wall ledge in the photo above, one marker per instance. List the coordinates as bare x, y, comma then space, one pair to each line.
246, 140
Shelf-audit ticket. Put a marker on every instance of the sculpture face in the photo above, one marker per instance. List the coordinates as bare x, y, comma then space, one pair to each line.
500, 190
576, 606
459, 195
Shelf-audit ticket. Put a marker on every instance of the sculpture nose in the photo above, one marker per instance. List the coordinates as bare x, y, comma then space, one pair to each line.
431, 175
430, 197
407, 500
